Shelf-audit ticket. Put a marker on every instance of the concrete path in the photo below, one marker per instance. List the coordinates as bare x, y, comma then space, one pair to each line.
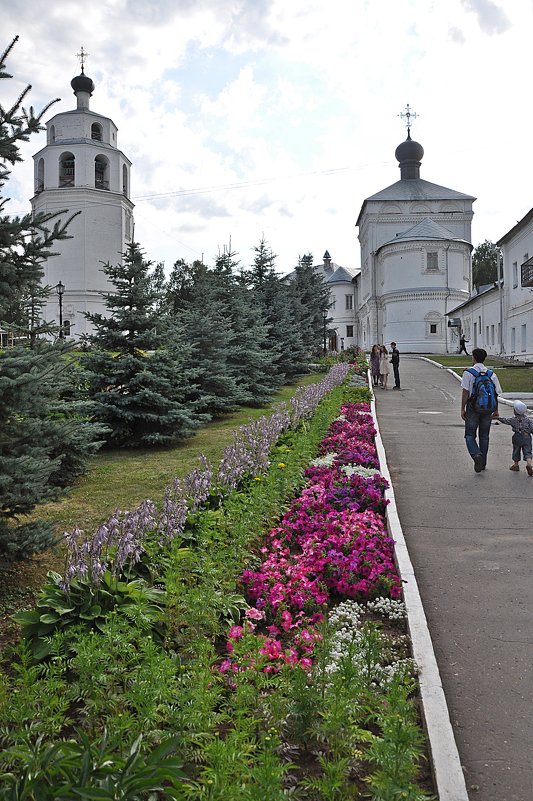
470, 539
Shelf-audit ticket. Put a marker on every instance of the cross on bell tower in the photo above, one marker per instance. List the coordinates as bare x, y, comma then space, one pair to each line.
408, 115
82, 55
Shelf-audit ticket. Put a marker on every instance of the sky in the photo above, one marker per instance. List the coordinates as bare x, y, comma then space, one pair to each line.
275, 119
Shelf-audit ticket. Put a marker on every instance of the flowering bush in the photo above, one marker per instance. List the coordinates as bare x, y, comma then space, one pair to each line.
330, 545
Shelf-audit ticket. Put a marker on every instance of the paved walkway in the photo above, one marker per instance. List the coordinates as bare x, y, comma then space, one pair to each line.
470, 538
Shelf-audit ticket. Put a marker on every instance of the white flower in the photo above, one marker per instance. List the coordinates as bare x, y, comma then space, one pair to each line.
355, 469
324, 461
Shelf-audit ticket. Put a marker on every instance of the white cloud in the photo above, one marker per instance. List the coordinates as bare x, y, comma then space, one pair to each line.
265, 116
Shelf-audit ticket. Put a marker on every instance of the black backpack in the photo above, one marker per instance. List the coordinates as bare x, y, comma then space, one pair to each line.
483, 398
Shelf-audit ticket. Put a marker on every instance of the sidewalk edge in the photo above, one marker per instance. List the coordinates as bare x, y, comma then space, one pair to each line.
446, 765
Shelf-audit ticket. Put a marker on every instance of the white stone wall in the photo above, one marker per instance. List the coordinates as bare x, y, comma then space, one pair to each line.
103, 228
400, 299
518, 300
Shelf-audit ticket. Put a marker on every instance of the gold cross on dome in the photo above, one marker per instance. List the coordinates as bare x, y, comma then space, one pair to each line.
408, 115
82, 55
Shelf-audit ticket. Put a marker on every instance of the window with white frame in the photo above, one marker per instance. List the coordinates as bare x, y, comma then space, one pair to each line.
349, 330
515, 274
349, 302
432, 261
492, 335
433, 322
523, 338
513, 340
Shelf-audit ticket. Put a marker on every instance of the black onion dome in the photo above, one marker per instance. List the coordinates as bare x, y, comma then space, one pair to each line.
82, 83
409, 151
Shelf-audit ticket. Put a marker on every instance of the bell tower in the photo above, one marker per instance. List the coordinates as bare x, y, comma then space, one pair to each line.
82, 169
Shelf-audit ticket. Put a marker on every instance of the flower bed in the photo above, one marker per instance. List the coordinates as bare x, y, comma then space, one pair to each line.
268, 668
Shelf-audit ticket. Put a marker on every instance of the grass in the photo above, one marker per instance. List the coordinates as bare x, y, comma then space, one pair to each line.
512, 378
123, 479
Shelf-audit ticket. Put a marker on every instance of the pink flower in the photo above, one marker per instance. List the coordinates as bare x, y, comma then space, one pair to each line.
235, 632
286, 621
254, 614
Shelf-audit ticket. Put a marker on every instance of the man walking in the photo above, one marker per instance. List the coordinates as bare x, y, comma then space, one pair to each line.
462, 343
479, 401
395, 361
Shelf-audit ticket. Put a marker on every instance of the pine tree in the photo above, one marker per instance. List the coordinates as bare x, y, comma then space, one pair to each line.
248, 358
310, 298
287, 355
133, 379
37, 430
206, 322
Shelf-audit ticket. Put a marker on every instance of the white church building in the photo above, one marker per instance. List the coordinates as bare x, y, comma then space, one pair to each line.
415, 239
81, 169
499, 318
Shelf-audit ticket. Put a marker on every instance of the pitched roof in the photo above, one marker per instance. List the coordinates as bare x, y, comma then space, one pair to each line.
425, 229
341, 274
418, 189
414, 189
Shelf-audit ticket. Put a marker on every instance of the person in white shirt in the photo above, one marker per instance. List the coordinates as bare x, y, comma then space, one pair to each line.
477, 423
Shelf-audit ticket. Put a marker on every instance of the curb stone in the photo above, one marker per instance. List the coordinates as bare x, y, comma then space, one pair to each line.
501, 399
445, 763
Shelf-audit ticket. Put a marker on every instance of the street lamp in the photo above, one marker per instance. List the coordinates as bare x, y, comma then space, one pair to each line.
325, 317
60, 288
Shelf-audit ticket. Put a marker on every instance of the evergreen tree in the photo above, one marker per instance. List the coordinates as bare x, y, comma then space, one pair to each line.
286, 352
206, 321
133, 379
248, 357
38, 431
486, 260
180, 285
310, 297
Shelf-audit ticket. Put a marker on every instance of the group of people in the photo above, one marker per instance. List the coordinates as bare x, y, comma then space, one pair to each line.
380, 361
479, 407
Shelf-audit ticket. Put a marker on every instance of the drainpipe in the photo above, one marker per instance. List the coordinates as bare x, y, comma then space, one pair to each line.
446, 298
500, 293
374, 295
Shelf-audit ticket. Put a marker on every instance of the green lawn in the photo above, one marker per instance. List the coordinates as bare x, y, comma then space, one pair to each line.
124, 478
512, 379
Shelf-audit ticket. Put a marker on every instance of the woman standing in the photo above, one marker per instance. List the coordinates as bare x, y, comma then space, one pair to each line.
384, 366
375, 354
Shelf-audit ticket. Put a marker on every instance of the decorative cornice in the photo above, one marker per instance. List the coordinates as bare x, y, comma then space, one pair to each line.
401, 296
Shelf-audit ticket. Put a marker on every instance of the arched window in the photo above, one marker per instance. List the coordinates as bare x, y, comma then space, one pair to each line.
124, 180
433, 321
52, 134
101, 173
67, 170
40, 176
96, 131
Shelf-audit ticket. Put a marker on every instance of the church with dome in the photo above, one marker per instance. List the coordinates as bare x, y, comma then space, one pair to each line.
415, 240
81, 169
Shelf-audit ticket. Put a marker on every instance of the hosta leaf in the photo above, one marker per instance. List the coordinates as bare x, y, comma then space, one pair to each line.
49, 617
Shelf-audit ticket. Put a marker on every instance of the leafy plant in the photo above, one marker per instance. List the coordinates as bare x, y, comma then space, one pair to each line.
81, 769
88, 605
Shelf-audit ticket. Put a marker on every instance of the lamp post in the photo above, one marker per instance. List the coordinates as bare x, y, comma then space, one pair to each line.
60, 288
325, 317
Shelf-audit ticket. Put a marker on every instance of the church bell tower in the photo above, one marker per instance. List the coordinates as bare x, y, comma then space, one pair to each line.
82, 169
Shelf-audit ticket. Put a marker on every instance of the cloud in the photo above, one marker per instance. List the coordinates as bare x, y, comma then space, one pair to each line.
491, 18
456, 35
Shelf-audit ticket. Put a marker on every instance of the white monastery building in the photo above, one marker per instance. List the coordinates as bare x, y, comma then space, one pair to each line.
499, 318
340, 316
415, 239
81, 169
